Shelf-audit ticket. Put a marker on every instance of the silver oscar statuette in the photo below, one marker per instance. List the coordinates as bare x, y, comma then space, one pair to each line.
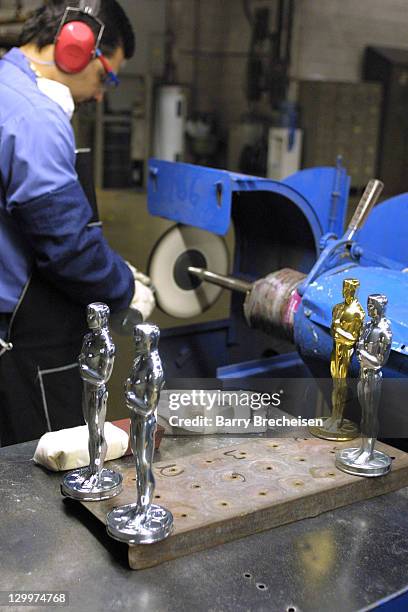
143, 522
95, 364
373, 349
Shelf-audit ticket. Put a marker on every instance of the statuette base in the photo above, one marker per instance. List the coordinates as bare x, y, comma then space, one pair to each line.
79, 484
331, 430
128, 524
358, 462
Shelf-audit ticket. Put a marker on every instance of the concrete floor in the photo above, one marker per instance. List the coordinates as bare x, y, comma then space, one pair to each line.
132, 232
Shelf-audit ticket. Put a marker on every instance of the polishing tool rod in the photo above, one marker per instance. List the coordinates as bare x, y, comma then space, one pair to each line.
228, 282
369, 198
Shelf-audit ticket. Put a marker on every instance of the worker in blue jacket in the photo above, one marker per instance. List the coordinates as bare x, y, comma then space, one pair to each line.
54, 259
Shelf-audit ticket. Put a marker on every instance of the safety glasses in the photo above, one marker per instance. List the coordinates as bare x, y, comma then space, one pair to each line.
110, 77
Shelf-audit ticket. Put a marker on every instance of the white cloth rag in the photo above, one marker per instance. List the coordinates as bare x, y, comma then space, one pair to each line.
67, 449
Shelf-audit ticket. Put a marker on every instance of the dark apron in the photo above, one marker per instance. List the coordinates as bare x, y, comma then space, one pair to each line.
40, 386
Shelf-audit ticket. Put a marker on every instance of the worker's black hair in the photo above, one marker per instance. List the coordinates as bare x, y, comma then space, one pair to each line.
42, 26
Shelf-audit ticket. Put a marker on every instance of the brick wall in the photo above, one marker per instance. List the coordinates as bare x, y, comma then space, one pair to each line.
218, 69
328, 41
331, 35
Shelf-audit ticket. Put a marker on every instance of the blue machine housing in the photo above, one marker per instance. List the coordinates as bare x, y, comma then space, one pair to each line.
277, 225
313, 318
204, 197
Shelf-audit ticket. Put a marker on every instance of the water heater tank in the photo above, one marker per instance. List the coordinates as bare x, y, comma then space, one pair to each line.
169, 123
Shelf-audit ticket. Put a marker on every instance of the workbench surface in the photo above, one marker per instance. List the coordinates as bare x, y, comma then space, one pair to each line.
347, 559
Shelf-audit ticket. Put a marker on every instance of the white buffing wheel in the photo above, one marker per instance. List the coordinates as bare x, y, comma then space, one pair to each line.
177, 292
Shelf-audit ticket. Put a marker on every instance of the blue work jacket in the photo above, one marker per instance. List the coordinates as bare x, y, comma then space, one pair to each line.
44, 213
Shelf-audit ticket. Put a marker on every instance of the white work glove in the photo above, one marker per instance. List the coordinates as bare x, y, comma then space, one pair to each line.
143, 299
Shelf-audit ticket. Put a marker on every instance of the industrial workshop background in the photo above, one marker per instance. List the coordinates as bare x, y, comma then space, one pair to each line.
264, 87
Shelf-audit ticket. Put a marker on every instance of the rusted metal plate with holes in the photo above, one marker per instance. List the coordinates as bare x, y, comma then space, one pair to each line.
228, 493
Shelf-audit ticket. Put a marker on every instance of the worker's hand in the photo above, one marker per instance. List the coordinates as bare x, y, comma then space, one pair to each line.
139, 276
143, 300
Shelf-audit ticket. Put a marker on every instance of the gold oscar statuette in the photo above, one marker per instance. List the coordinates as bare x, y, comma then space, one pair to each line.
347, 321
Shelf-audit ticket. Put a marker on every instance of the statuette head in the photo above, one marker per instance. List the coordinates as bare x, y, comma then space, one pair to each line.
376, 305
350, 286
146, 337
97, 315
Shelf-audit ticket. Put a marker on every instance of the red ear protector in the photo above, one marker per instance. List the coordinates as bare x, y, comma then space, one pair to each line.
76, 43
